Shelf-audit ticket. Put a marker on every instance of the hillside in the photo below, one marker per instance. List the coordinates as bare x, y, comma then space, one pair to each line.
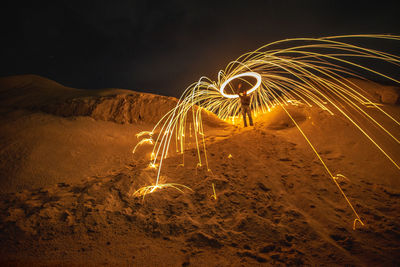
51, 133
68, 175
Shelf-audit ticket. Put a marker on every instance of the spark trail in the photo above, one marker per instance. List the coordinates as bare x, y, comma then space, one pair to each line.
308, 71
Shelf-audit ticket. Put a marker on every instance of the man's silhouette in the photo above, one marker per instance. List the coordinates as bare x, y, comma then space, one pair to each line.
245, 103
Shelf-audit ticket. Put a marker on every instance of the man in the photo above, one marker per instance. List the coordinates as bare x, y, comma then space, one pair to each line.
245, 103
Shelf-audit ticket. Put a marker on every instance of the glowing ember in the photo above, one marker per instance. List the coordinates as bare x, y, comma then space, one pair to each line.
142, 192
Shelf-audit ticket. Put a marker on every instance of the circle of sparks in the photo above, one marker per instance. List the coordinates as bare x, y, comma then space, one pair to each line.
306, 71
248, 74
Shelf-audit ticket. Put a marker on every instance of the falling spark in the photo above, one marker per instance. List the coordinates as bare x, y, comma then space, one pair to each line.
142, 192
143, 141
152, 165
214, 195
144, 133
307, 71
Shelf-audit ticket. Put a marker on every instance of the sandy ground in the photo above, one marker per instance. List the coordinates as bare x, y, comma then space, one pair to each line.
66, 184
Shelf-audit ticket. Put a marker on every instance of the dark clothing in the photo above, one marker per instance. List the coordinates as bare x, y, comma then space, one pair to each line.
245, 101
246, 110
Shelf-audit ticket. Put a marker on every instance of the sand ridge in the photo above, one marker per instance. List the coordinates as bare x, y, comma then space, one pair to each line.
275, 203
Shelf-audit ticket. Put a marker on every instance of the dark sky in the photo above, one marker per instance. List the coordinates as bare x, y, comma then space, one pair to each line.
163, 46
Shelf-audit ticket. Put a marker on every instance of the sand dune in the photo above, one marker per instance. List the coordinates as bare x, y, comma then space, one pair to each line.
51, 133
67, 174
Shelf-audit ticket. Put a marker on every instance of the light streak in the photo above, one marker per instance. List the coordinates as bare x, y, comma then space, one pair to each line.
141, 142
143, 191
152, 165
246, 74
306, 71
334, 178
144, 133
214, 195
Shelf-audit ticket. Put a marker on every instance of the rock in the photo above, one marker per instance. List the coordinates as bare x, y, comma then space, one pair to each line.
203, 240
251, 255
263, 187
390, 95
267, 248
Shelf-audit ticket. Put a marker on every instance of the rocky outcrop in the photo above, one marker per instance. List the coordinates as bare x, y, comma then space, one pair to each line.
389, 95
124, 108
379, 93
35, 93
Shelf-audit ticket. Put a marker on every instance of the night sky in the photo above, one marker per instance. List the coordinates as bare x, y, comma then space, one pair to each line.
163, 46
